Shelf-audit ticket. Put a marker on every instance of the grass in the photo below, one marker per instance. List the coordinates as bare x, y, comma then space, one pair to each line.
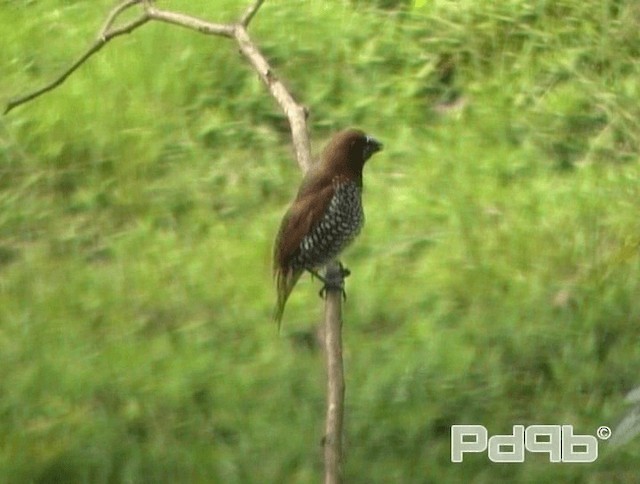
495, 282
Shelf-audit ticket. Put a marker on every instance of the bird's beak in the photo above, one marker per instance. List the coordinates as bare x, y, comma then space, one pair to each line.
373, 146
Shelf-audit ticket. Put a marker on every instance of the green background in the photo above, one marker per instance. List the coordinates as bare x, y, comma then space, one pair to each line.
495, 283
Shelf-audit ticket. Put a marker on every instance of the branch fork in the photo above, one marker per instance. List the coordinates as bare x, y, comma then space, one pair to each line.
296, 113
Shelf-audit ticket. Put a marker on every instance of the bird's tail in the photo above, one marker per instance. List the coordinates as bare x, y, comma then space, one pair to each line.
285, 282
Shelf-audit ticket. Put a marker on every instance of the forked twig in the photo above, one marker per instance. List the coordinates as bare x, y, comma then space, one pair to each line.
105, 35
111, 17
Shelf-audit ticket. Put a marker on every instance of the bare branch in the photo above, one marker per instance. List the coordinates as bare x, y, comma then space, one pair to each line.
194, 23
126, 28
97, 45
111, 18
335, 377
251, 11
296, 113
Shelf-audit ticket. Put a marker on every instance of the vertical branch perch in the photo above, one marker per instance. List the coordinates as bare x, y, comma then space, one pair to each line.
297, 116
335, 377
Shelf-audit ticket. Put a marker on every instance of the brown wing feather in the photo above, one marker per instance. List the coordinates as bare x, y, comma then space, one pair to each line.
305, 213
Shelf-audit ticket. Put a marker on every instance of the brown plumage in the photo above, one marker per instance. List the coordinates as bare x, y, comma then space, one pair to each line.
326, 214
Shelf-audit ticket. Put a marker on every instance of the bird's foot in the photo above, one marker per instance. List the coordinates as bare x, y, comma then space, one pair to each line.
333, 280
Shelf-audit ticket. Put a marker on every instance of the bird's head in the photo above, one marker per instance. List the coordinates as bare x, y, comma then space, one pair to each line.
349, 149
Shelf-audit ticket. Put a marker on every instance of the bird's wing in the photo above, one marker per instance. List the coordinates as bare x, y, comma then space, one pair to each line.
305, 213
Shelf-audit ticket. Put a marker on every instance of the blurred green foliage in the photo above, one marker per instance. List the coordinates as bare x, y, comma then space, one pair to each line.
496, 281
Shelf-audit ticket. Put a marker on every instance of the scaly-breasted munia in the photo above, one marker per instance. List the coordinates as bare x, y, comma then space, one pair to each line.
326, 215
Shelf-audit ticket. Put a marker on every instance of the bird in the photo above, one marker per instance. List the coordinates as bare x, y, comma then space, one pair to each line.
326, 214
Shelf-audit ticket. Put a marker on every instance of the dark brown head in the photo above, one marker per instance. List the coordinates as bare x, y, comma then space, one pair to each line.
348, 151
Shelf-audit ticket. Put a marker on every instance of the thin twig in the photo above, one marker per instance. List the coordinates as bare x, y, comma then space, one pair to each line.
97, 45
250, 12
111, 18
187, 21
295, 112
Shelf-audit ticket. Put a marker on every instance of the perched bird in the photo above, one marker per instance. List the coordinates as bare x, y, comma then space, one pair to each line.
326, 214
